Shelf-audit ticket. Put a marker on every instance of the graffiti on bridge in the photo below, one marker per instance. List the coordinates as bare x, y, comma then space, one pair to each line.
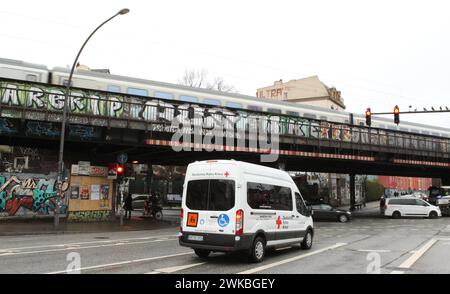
8, 127
84, 132
31, 196
160, 113
38, 128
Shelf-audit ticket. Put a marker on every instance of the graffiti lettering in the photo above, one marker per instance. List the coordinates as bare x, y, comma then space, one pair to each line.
10, 96
35, 128
35, 98
83, 216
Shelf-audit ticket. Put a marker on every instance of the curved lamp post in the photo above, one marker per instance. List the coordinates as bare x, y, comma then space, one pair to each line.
63, 124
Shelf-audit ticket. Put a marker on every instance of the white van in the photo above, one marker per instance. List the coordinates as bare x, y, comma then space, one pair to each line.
411, 207
231, 205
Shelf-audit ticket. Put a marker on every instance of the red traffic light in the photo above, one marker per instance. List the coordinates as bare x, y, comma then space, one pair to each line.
120, 169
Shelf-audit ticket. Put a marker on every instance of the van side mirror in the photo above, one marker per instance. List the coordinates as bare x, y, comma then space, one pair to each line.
309, 211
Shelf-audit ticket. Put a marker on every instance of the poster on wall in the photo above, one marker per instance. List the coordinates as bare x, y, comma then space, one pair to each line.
84, 168
84, 192
95, 192
74, 192
104, 192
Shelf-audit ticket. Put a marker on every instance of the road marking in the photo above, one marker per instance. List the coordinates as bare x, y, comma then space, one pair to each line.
173, 269
418, 254
78, 248
397, 273
270, 265
88, 242
120, 263
374, 250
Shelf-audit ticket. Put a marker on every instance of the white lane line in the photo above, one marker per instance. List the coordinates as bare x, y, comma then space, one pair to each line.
78, 248
270, 265
173, 269
418, 254
119, 263
374, 250
87, 242
397, 273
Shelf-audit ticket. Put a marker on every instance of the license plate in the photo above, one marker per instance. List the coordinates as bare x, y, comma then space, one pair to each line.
195, 238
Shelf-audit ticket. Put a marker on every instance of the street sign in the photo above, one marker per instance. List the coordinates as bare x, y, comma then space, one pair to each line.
122, 158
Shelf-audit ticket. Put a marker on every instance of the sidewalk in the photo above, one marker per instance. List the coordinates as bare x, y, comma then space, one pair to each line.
45, 226
372, 209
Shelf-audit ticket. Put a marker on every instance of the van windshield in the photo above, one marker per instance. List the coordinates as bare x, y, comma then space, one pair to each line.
217, 195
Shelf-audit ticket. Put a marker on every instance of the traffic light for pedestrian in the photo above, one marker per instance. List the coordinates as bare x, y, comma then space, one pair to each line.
368, 117
396, 114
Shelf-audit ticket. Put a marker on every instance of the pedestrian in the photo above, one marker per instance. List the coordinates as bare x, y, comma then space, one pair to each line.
382, 204
128, 205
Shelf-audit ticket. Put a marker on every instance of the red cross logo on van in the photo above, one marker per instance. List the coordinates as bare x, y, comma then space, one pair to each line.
279, 222
226, 174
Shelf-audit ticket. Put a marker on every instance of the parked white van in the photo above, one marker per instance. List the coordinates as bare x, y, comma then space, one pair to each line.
231, 205
411, 207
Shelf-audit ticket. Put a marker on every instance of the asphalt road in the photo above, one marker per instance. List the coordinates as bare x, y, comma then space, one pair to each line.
362, 246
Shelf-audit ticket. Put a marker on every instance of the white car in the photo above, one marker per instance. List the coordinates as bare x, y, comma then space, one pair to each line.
410, 207
236, 206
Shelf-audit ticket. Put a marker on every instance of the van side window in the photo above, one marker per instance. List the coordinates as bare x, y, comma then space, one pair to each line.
301, 207
264, 196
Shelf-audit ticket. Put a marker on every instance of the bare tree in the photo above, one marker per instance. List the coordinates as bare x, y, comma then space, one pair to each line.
199, 79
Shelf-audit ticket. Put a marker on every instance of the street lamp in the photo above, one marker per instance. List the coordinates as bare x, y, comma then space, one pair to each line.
63, 124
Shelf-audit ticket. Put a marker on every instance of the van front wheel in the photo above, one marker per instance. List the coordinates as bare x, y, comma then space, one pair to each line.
202, 253
258, 250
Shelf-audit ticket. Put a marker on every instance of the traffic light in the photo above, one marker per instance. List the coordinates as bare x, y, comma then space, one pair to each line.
396, 114
368, 117
120, 169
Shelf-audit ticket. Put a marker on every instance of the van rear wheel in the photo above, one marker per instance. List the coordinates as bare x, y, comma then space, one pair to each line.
258, 250
307, 241
396, 214
202, 253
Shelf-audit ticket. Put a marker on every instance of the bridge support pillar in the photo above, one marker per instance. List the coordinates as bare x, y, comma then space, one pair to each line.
352, 192
445, 181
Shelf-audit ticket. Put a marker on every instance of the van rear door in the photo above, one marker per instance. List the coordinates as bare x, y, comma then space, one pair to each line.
210, 201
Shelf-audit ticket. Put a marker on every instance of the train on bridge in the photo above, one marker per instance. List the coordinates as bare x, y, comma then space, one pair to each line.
104, 81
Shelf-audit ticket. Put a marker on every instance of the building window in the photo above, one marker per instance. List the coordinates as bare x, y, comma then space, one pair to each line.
210, 101
115, 89
31, 78
163, 95
233, 105
188, 99
254, 108
274, 110
137, 92
292, 113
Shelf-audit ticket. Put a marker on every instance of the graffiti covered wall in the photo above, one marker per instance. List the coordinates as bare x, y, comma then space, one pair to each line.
28, 182
30, 195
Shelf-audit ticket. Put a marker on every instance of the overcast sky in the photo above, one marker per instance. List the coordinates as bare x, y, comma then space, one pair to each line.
377, 53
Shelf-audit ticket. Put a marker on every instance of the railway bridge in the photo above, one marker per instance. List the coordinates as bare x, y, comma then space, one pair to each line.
101, 125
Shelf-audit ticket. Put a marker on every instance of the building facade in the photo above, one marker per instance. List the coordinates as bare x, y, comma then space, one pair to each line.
309, 91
